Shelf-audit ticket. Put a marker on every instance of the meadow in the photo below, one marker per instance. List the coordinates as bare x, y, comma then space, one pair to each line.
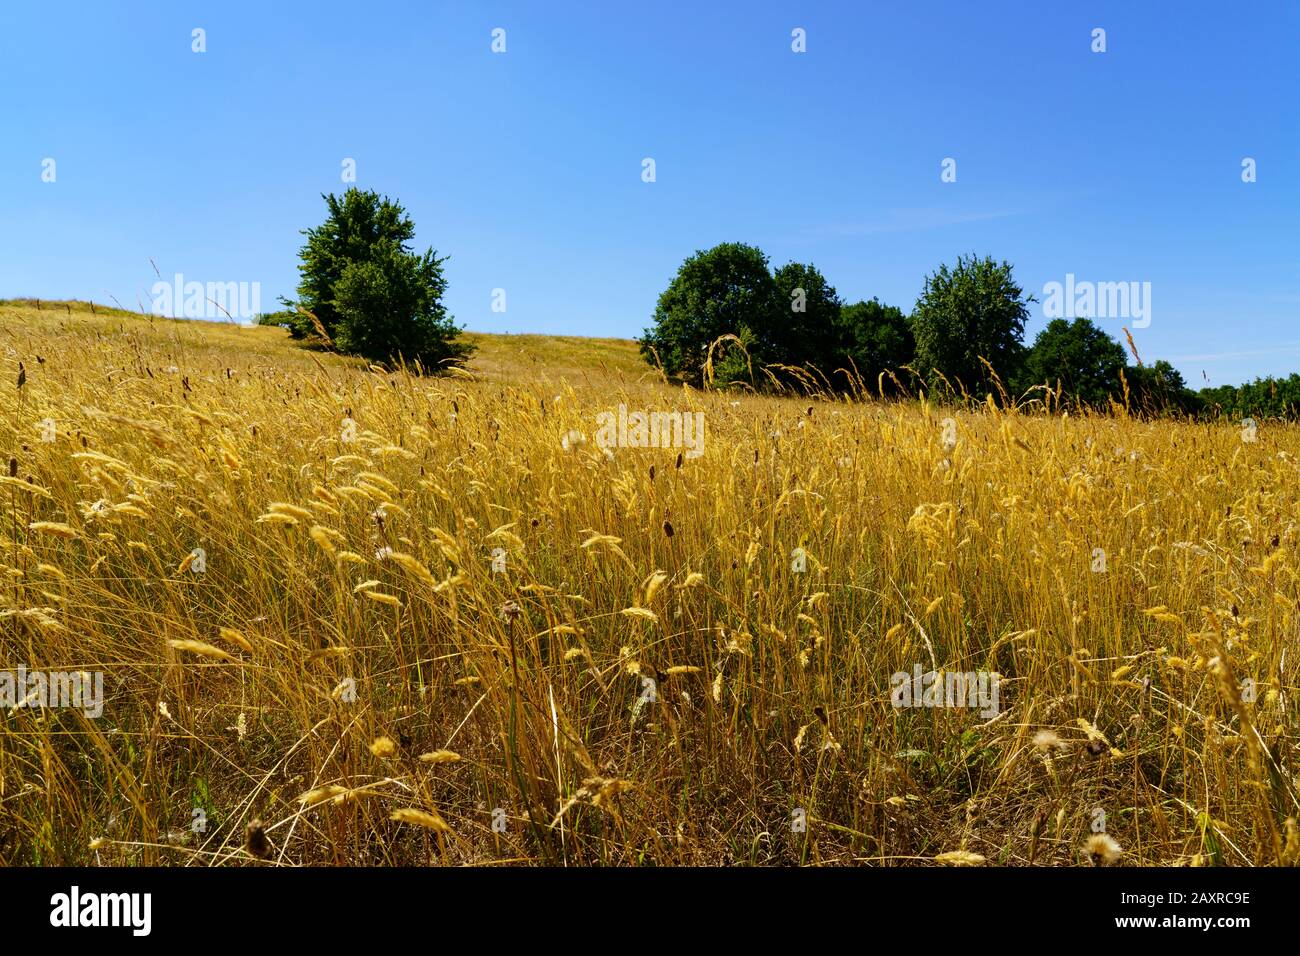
348, 616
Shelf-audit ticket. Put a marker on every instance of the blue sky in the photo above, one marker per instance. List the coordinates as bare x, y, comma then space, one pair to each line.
525, 167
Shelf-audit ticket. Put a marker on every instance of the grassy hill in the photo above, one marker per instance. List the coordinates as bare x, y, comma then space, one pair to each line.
356, 617
571, 358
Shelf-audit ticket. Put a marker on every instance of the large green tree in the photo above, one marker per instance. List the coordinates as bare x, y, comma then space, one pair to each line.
974, 310
1079, 357
726, 290
366, 288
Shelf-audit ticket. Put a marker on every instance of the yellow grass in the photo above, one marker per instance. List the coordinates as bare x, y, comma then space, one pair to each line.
348, 668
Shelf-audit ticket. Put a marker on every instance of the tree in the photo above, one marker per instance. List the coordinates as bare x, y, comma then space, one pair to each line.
1078, 356
726, 290
1263, 398
971, 311
282, 319
369, 292
875, 337
1160, 388
390, 305
804, 325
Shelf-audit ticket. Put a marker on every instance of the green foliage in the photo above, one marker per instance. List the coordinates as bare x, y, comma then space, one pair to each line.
390, 305
1160, 389
734, 364
284, 318
803, 328
716, 292
1079, 357
1262, 398
371, 294
971, 311
874, 337
790, 317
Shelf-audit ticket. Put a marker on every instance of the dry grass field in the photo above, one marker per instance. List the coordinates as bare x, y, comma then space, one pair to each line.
283, 565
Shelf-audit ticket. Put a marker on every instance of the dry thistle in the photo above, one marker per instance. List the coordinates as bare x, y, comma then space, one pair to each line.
1046, 741
1102, 849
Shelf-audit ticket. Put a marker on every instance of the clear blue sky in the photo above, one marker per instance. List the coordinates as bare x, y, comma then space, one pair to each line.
525, 167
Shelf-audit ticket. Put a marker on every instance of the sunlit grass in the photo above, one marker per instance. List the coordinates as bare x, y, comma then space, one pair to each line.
349, 670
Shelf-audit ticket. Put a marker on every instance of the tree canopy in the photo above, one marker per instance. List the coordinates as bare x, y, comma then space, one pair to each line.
875, 338
965, 336
1077, 357
364, 289
974, 310
726, 290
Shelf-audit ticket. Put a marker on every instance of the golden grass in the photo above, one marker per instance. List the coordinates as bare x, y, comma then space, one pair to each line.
347, 681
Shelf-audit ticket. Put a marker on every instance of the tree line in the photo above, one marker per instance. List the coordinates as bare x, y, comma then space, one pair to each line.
727, 319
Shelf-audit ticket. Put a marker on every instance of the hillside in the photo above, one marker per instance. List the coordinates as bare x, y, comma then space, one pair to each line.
342, 616
497, 357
